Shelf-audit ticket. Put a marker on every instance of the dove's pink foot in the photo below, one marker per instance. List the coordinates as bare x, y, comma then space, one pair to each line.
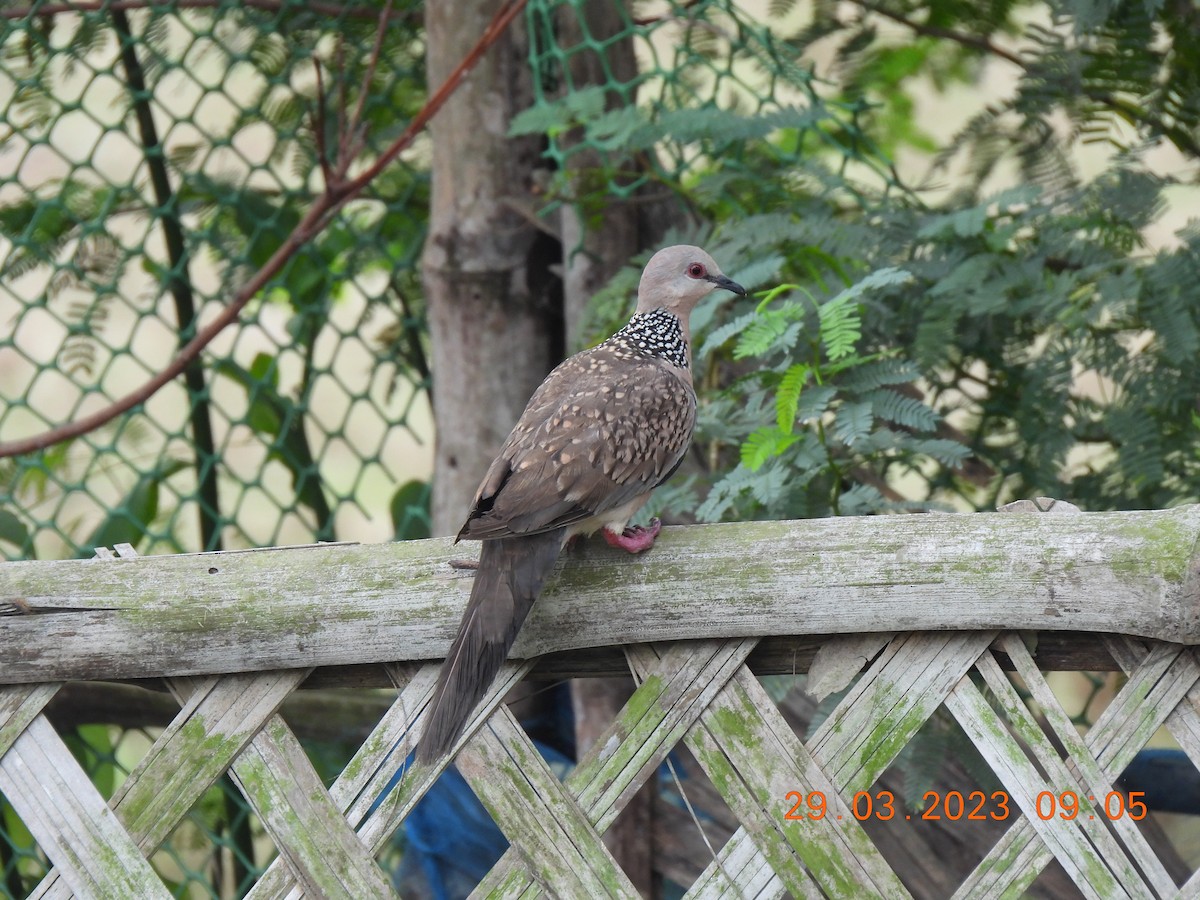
636, 538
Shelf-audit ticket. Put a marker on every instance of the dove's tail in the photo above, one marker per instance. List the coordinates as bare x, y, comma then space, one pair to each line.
510, 577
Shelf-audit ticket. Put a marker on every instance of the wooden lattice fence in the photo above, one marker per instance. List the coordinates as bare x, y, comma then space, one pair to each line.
935, 610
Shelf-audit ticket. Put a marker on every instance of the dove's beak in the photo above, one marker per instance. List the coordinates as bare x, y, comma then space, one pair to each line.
727, 283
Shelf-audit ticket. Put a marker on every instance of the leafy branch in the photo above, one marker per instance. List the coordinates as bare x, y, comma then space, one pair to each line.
1131, 112
859, 418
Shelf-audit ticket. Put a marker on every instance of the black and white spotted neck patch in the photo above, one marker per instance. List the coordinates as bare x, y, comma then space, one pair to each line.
654, 333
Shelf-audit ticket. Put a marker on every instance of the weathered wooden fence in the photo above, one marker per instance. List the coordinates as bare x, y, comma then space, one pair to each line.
940, 607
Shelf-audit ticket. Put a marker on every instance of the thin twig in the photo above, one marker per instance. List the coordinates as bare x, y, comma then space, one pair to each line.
966, 40
47, 10
319, 125
332, 198
339, 62
359, 138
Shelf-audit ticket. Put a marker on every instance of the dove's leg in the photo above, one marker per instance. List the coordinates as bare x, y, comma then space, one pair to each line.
635, 538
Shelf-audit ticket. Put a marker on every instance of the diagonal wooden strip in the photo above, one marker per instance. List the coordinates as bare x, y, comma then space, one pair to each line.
218, 719
323, 852
1060, 777
20, 705
70, 820
1162, 680
892, 700
1077, 856
1158, 680
1009, 869
538, 815
740, 870
370, 792
1093, 780
677, 683
1190, 889
754, 759
1183, 722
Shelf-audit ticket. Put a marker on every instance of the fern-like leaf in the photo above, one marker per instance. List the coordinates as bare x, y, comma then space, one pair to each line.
853, 422
787, 396
719, 336
764, 444
907, 412
774, 330
841, 327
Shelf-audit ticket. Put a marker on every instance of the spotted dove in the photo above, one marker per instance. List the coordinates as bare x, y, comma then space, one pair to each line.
604, 429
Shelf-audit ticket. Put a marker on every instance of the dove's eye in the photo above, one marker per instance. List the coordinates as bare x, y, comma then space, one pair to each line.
696, 270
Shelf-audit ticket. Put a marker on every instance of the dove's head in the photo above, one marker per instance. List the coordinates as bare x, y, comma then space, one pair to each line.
677, 278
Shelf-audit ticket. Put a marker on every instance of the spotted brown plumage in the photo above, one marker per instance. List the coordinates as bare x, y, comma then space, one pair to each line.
604, 429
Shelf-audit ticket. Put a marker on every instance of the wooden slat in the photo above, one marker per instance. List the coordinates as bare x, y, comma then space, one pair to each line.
1157, 682
1183, 724
1060, 777
887, 706
754, 759
323, 852
891, 701
219, 718
376, 791
1120, 572
538, 816
70, 820
1158, 685
741, 870
677, 683
19, 706
1023, 783
1093, 780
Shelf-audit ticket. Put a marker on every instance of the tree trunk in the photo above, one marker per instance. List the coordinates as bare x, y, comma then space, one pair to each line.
597, 240
600, 235
494, 308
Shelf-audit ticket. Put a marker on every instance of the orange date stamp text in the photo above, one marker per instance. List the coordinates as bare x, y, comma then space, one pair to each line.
973, 806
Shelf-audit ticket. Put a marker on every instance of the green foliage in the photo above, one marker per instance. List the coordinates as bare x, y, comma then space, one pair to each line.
131, 520
13, 530
1039, 345
410, 511
831, 411
231, 168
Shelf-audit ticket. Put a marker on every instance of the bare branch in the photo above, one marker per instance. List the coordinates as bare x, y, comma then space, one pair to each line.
319, 126
47, 10
357, 130
974, 41
331, 199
